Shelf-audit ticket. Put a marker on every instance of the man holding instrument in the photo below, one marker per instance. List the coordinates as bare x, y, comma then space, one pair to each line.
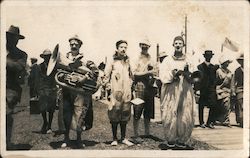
77, 106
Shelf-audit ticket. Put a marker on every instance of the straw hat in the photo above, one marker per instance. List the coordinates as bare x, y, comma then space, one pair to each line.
224, 59
46, 52
162, 54
75, 37
145, 41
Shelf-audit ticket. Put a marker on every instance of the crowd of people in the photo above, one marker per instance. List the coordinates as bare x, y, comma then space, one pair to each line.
173, 80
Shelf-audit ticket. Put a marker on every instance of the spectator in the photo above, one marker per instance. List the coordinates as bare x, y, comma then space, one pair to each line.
223, 91
46, 89
237, 90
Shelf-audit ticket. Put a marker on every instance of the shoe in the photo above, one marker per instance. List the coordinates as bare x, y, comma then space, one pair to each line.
64, 145
138, 140
43, 130
49, 131
210, 126
127, 142
227, 125
203, 126
170, 144
181, 145
80, 145
114, 143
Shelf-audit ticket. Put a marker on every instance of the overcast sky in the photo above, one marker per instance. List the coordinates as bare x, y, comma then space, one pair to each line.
100, 24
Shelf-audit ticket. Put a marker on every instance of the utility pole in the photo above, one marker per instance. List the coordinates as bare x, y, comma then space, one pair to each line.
157, 52
186, 34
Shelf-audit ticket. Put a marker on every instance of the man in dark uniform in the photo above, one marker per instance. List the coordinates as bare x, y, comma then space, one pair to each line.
207, 89
15, 74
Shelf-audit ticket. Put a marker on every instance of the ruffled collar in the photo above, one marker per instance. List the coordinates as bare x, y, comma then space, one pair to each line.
116, 56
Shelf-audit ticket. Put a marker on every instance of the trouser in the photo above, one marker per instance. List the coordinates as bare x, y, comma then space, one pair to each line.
211, 114
146, 126
239, 111
12, 99
114, 126
224, 111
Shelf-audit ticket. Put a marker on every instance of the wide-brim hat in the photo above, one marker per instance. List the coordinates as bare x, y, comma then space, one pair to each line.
75, 37
162, 54
46, 52
208, 53
146, 42
14, 30
224, 59
241, 57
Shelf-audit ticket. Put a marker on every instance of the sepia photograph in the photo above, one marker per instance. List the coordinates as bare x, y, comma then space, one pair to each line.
123, 78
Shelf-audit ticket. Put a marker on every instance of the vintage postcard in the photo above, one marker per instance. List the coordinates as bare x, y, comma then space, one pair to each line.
124, 78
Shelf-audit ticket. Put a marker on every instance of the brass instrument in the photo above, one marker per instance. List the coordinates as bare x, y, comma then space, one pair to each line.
67, 74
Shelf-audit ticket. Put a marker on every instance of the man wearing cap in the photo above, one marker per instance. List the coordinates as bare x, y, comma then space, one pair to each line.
46, 89
237, 89
15, 73
223, 91
143, 74
77, 107
207, 90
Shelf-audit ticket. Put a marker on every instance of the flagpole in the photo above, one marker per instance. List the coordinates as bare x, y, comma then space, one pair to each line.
186, 34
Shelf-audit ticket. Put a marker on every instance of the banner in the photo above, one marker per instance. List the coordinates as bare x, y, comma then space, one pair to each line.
230, 45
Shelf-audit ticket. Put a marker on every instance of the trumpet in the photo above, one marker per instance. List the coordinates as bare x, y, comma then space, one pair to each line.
67, 73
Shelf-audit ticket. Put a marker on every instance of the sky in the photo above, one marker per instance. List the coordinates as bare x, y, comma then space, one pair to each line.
100, 24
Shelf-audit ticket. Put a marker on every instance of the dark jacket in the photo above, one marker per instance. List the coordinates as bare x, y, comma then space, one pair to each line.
15, 68
208, 84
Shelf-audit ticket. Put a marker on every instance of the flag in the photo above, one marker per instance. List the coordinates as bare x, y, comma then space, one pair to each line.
230, 45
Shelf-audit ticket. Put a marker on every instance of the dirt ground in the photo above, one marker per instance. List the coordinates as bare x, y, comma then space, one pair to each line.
26, 132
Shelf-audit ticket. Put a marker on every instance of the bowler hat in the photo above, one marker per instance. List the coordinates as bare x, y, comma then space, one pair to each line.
75, 37
46, 52
208, 52
14, 30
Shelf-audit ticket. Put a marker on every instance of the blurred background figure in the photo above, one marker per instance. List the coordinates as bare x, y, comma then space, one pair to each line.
223, 91
15, 76
46, 89
101, 92
162, 56
31, 78
237, 90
